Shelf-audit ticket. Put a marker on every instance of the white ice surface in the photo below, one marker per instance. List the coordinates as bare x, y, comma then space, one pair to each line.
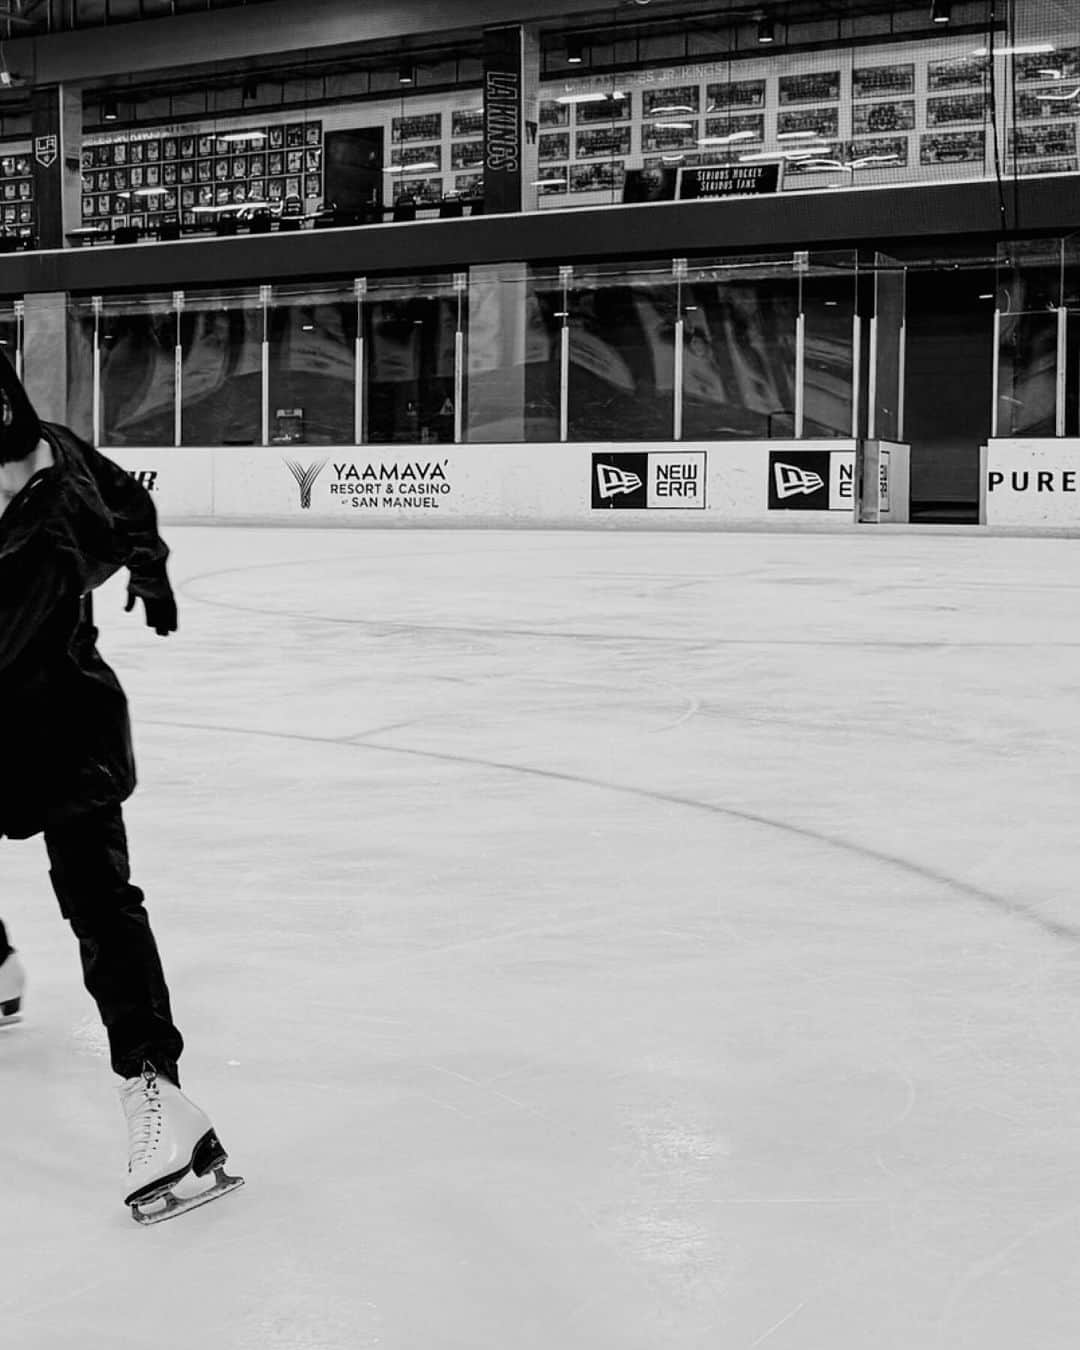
583, 942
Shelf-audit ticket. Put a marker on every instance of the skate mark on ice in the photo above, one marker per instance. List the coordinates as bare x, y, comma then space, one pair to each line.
1052, 927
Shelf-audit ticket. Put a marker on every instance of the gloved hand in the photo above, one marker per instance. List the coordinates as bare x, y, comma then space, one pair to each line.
158, 601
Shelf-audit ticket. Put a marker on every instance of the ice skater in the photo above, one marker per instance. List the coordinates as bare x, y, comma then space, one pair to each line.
69, 519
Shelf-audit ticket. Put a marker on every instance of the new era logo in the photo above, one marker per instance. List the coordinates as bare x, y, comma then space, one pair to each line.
791, 481
613, 482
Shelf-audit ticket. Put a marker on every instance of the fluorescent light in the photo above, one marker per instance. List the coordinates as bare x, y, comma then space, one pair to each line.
582, 98
243, 136
148, 191
675, 126
869, 160
1028, 49
798, 135
1059, 98
757, 155
410, 168
547, 182
675, 108
727, 140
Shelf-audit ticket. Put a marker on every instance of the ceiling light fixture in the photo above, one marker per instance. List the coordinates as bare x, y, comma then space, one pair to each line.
766, 32
575, 51
940, 11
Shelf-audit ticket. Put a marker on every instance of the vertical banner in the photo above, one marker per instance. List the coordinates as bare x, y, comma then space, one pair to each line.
504, 110
46, 156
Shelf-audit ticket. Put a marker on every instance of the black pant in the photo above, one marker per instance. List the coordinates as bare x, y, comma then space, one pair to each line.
90, 874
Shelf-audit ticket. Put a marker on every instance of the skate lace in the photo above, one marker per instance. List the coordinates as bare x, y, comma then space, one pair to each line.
144, 1120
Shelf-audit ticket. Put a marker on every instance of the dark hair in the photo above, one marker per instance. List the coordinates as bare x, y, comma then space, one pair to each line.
20, 429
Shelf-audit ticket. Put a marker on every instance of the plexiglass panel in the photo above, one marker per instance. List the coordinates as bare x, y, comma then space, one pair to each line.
828, 295
739, 335
138, 371
622, 355
411, 328
1029, 297
221, 340
312, 363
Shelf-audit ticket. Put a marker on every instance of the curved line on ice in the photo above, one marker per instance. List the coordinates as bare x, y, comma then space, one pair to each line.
1050, 926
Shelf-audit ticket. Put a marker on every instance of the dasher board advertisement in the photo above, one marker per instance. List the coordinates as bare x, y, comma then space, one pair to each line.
649, 480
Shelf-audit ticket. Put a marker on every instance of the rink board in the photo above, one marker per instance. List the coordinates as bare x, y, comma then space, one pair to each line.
1030, 483
803, 484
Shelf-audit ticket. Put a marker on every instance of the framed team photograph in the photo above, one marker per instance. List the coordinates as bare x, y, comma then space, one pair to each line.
817, 87
553, 145
257, 190
818, 121
292, 187
659, 137
187, 197
877, 117
469, 184
221, 170
602, 143
120, 180
812, 163
239, 193
138, 220
294, 135
153, 175
169, 147
467, 122
1063, 64
554, 114
257, 166
169, 201
205, 195
170, 174
424, 190
26, 188
955, 108
313, 185
313, 133
275, 163
238, 166
137, 152
958, 72
103, 181
153, 151
103, 154
741, 127
955, 147
86, 158
136, 177
466, 154
120, 152
26, 215
606, 175
611, 110
1048, 140
204, 171
187, 146
882, 81
880, 153
682, 99
735, 94
275, 137
275, 189
294, 161
1030, 107
222, 196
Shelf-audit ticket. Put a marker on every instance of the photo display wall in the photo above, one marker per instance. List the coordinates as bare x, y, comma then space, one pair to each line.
146, 178
439, 154
892, 114
16, 192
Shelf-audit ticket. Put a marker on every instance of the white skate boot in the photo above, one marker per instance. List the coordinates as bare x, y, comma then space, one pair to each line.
12, 986
168, 1138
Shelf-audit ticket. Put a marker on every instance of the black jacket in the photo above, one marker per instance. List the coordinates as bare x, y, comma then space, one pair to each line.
65, 739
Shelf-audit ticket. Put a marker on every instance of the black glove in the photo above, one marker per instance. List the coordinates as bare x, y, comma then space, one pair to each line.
158, 601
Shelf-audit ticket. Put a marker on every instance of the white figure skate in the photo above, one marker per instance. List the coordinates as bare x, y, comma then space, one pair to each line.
169, 1137
12, 987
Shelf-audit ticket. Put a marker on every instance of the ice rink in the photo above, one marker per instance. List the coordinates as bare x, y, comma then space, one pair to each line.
583, 942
